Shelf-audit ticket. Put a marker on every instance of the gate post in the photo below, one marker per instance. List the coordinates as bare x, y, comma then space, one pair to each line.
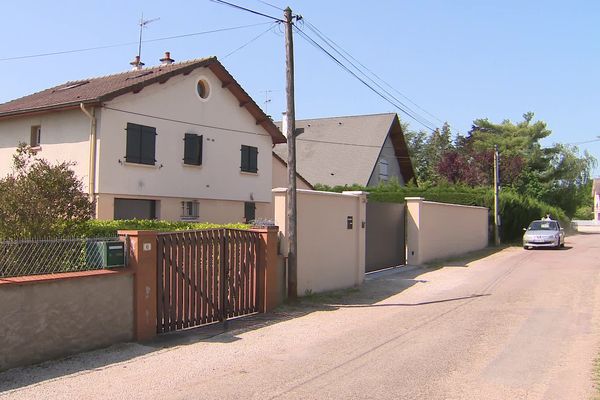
141, 258
268, 284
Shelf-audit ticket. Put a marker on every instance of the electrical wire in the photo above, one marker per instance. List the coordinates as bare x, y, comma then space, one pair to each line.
318, 32
128, 43
246, 9
347, 69
423, 120
584, 142
252, 40
270, 5
298, 139
183, 122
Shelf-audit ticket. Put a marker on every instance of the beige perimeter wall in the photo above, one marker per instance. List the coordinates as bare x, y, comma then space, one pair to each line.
438, 230
330, 256
52, 319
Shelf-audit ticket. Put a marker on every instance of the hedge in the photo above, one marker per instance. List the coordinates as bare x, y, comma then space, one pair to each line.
97, 228
516, 211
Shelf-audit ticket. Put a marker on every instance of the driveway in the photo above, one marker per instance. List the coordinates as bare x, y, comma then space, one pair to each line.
514, 325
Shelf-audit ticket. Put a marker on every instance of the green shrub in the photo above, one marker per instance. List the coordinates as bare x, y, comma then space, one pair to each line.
516, 211
97, 228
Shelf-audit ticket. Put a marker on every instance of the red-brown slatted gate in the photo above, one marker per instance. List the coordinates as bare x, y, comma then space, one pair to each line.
205, 276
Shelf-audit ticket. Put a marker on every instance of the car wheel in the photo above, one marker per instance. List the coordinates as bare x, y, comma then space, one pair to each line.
526, 248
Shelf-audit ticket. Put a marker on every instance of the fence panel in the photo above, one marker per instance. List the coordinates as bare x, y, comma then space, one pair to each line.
49, 256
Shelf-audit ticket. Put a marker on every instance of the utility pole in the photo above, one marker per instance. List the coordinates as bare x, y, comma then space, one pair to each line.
290, 116
496, 200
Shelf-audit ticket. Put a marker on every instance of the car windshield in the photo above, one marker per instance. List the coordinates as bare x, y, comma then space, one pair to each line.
543, 226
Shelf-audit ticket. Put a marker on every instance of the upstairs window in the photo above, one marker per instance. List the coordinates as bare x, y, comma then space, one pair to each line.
141, 144
249, 159
192, 152
36, 136
383, 170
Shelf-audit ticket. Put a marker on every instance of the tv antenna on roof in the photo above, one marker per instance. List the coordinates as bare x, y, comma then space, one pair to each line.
143, 23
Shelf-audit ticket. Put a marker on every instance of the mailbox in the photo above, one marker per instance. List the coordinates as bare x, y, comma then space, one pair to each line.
109, 254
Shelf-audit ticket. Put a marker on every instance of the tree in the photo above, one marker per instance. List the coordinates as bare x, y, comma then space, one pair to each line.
426, 151
40, 199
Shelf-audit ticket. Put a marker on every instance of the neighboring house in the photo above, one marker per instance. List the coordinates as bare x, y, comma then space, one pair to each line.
596, 196
179, 141
280, 175
362, 149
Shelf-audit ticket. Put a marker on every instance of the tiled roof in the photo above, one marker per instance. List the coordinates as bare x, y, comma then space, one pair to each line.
99, 89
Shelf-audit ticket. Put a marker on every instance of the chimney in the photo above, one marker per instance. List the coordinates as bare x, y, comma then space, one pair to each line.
167, 60
284, 124
137, 64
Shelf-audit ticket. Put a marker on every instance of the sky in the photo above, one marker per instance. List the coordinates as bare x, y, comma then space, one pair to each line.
452, 61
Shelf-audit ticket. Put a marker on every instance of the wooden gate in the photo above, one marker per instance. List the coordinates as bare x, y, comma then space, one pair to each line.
206, 276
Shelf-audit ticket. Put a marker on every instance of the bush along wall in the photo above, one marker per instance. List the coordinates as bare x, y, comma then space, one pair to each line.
96, 228
516, 211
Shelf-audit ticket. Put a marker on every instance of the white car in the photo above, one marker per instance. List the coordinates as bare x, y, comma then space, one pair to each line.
544, 233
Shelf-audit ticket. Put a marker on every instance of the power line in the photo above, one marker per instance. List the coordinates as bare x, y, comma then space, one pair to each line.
584, 142
251, 40
325, 38
270, 5
55, 53
347, 144
247, 10
335, 47
183, 122
347, 69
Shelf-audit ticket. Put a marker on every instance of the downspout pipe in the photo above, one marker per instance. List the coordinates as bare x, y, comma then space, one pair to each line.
92, 160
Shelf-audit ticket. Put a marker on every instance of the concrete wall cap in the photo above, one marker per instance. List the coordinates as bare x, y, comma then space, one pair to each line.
454, 205
414, 198
355, 192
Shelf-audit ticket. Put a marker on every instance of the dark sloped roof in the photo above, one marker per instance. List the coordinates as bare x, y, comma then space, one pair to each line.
344, 150
282, 161
105, 88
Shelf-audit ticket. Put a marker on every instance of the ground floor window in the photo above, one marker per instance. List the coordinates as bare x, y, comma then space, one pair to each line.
190, 210
249, 212
135, 208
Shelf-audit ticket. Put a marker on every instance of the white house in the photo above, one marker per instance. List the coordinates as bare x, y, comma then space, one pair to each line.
175, 141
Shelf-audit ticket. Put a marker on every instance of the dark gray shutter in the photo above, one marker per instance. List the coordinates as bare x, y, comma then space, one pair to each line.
192, 153
245, 158
253, 165
249, 211
134, 143
148, 146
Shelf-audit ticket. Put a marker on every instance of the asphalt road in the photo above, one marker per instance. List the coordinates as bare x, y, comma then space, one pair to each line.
514, 325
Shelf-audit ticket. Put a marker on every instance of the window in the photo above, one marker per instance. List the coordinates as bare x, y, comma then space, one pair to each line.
192, 153
135, 208
36, 136
249, 211
190, 209
202, 89
249, 159
383, 170
141, 144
